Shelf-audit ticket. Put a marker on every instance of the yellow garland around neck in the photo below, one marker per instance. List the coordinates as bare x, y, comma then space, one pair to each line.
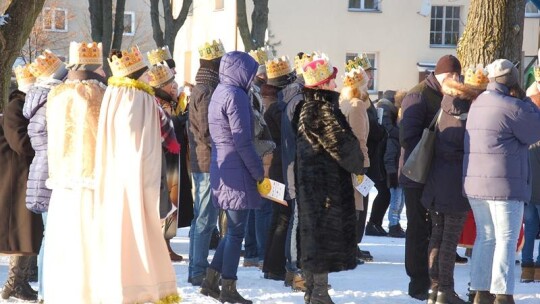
130, 83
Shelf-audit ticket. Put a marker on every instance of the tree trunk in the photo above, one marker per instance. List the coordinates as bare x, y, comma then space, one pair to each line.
118, 24
95, 8
13, 35
174, 24
494, 30
157, 33
243, 25
259, 22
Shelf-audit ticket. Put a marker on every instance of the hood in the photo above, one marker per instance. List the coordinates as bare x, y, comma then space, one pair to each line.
237, 69
387, 105
36, 97
433, 83
294, 90
460, 90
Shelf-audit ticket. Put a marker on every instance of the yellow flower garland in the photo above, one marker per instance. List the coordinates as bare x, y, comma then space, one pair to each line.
172, 299
130, 83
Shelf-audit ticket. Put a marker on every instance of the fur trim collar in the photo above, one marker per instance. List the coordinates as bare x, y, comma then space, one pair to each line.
321, 95
460, 90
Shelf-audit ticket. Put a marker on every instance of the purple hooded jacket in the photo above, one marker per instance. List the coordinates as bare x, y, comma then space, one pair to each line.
235, 166
499, 130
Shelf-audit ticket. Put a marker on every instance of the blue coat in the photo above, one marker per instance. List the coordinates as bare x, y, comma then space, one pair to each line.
499, 130
235, 166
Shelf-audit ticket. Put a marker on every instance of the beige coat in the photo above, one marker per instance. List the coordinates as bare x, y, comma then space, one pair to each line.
355, 110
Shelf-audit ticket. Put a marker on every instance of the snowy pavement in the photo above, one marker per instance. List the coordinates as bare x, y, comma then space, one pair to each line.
382, 281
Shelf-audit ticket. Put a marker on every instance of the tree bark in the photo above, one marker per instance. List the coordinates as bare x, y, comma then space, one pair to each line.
13, 35
157, 33
243, 25
95, 8
118, 24
259, 22
494, 30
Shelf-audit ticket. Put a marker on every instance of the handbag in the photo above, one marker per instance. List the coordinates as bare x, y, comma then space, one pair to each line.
417, 165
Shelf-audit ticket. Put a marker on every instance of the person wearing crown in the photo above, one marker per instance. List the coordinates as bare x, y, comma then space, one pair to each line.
49, 71
135, 265
443, 191
327, 153
205, 215
72, 116
21, 231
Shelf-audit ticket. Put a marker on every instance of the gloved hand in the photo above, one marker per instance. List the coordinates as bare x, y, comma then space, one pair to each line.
392, 180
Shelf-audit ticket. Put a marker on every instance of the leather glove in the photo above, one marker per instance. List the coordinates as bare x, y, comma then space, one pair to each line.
392, 180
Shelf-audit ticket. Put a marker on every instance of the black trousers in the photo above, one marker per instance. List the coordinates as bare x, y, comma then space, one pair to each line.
361, 220
274, 258
380, 203
417, 242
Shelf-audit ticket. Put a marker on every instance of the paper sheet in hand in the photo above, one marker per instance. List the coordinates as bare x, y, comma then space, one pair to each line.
364, 186
272, 190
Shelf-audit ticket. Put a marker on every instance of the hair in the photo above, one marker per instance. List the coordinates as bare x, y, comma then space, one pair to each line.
398, 98
517, 92
348, 93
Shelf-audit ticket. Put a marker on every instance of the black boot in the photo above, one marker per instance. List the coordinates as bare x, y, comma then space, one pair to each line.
17, 285
31, 269
210, 284
320, 289
230, 294
309, 286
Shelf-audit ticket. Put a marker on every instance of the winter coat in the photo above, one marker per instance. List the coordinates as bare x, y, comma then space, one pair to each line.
185, 198
496, 163
198, 134
21, 231
272, 116
389, 122
534, 159
235, 166
289, 99
376, 145
355, 111
35, 109
443, 191
264, 144
418, 109
327, 153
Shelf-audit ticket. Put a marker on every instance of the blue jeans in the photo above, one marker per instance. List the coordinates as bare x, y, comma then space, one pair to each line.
497, 231
291, 249
203, 224
228, 252
40, 258
396, 206
531, 217
257, 226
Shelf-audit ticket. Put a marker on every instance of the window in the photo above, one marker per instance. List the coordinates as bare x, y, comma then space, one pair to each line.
372, 88
219, 5
531, 10
363, 5
444, 30
55, 19
129, 23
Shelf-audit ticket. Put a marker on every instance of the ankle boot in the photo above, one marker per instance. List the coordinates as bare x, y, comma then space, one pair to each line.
537, 273
483, 297
174, 257
308, 276
210, 284
527, 273
504, 299
449, 297
320, 289
298, 282
230, 294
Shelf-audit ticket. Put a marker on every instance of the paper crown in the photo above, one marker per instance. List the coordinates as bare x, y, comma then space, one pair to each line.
158, 55
45, 64
318, 71
24, 76
85, 53
278, 67
355, 78
476, 77
211, 51
299, 63
261, 55
129, 62
159, 75
537, 73
361, 61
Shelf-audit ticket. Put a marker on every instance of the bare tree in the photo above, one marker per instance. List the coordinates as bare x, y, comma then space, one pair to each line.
494, 30
22, 15
172, 24
253, 38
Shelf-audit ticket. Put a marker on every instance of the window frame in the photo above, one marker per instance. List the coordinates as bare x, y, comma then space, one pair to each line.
351, 55
532, 15
132, 14
363, 8
443, 31
53, 28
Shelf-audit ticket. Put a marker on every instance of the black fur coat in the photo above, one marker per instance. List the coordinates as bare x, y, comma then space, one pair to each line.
327, 154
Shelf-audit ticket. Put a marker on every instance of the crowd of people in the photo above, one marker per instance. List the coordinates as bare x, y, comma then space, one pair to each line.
80, 153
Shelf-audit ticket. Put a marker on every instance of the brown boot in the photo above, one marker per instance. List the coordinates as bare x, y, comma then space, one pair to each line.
17, 285
174, 257
537, 273
527, 273
298, 283
483, 297
504, 299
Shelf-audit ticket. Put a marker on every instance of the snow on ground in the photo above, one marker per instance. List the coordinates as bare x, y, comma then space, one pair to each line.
382, 281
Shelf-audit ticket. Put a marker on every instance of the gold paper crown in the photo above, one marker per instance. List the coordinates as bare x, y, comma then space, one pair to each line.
159, 75
23, 75
299, 63
261, 55
45, 64
85, 53
278, 67
211, 51
318, 71
537, 73
358, 62
158, 55
355, 77
129, 63
476, 77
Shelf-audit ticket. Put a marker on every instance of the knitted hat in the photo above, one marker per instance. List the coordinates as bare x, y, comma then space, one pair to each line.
503, 71
448, 64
